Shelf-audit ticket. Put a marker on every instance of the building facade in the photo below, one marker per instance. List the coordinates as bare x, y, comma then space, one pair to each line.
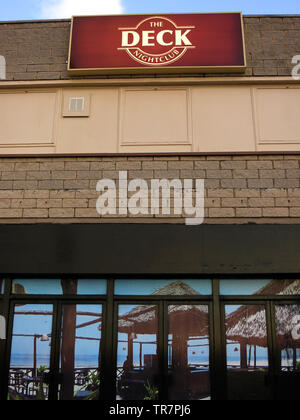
134, 304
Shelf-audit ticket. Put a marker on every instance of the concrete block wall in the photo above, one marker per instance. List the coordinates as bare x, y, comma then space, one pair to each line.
39, 50
238, 188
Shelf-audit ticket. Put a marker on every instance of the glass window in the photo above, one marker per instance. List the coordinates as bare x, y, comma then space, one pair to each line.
163, 287
59, 287
188, 352
247, 352
261, 287
2, 285
137, 362
80, 352
30, 353
92, 287
2, 323
288, 336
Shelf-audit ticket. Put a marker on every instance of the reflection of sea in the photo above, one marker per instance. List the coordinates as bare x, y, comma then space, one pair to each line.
89, 361
26, 360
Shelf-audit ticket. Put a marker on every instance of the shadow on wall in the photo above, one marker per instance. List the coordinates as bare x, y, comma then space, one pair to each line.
2, 68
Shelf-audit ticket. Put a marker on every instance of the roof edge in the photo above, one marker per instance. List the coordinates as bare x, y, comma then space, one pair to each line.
20, 22
69, 20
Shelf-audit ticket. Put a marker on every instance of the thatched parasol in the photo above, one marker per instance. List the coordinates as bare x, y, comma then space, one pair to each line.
186, 322
143, 318
248, 323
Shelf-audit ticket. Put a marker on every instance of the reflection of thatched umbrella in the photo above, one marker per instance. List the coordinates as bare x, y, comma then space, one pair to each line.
143, 318
184, 321
287, 325
247, 325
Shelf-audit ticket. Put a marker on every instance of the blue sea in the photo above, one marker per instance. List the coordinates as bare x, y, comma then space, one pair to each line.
91, 361
26, 360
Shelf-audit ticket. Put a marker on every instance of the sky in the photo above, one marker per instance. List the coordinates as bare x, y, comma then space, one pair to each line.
52, 9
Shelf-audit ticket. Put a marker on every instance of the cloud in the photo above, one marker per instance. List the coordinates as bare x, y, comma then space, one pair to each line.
59, 9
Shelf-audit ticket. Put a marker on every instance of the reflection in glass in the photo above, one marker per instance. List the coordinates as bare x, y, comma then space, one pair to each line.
246, 334
59, 287
80, 352
2, 323
188, 352
247, 351
288, 336
2, 284
259, 287
30, 353
137, 361
163, 287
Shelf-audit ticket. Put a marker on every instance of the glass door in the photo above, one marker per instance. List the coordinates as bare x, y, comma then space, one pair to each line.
163, 351
247, 342
31, 349
56, 351
80, 352
137, 375
188, 351
287, 347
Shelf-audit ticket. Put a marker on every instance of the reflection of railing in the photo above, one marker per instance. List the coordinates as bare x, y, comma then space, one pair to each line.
24, 385
83, 375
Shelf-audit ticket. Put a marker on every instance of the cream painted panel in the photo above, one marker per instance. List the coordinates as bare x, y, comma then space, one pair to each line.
27, 118
152, 120
278, 147
30, 150
97, 133
155, 117
178, 148
277, 115
223, 119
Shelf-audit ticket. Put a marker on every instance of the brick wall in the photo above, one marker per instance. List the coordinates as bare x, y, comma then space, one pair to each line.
239, 189
39, 51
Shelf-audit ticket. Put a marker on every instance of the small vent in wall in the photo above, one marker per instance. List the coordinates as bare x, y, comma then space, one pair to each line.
76, 104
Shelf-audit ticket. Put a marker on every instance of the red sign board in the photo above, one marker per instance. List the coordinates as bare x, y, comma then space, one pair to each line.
157, 43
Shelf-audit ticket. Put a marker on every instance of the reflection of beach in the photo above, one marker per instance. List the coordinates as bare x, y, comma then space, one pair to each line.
237, 363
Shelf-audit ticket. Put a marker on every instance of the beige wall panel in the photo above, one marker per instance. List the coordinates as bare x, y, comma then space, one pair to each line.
30, 150
97, 133
169, 119
155, 117
223, 119
27, 118
278, 147
156, 149
277, 115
